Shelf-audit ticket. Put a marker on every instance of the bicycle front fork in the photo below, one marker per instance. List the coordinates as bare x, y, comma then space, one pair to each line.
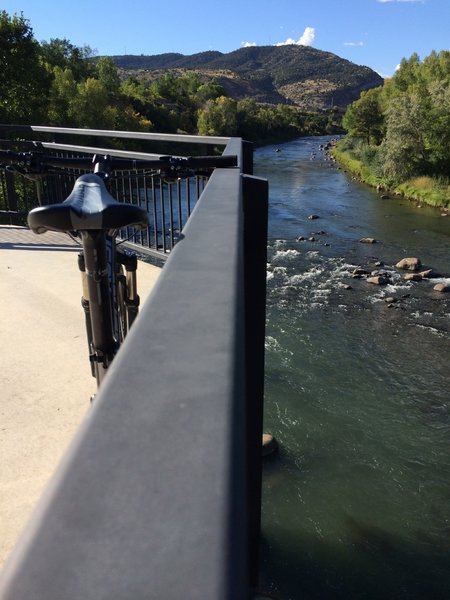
100, 265
132, 300
96, 302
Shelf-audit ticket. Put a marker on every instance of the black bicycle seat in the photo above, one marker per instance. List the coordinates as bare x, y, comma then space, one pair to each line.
89, 206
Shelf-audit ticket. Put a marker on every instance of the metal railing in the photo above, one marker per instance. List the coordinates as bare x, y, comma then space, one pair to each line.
168, 203
159, 494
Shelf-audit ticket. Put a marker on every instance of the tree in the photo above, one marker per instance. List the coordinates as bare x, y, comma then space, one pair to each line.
24, 81
364, 118
218, 117
165, 87
404, 150
108, 75
61, 53
406, 75
90, 108
208, 91
63, 91
439, 127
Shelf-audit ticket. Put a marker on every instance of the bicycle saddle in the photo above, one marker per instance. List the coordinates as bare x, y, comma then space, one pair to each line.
89, 206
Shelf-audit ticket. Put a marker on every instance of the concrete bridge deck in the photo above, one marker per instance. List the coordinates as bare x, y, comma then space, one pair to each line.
45, 380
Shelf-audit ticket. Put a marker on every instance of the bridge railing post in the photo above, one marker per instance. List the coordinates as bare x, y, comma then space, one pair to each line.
255, 204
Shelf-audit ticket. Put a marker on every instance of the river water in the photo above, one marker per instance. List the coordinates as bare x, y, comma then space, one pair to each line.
356, 505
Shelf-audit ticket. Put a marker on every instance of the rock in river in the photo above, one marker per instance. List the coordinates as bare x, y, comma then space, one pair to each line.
442, 287
368, 240
378, 280
409, 264
428, 274
360, 271
412, 277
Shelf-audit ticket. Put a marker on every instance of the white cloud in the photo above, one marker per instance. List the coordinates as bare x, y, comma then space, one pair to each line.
287, 42
353, 43
306, 39
383, 1
248, 44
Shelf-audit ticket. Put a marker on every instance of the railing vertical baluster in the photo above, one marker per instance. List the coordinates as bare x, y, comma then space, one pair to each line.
130, 196
3, 191
140, 201
147, 208
155, 216
163, 216
180, 216
136, 232
169, 186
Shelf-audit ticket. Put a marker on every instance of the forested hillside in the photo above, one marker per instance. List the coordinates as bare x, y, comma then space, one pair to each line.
57, 83
400, 133
300, 75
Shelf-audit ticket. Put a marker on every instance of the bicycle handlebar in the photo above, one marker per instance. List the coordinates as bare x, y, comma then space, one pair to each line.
35, 161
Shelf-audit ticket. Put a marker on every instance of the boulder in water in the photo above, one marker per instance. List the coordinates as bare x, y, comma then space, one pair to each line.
409, 264
269, 444
429, 274
360, 271
442, 287
368, 240
378, 280
412, 277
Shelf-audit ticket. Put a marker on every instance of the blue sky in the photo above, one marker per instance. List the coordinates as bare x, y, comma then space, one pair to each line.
376, 33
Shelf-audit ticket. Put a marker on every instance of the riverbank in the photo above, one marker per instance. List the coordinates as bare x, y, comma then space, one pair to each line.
424, 190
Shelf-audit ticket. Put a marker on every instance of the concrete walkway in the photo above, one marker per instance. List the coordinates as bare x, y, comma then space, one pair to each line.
45, 380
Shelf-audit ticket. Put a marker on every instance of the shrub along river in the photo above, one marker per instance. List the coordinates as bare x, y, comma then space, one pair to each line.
357, 503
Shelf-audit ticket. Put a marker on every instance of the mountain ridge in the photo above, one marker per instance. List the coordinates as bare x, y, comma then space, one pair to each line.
302, 76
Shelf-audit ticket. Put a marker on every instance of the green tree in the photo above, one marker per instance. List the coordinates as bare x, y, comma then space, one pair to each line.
165, 87
208, 91
63, 91
61, 53
90, 107
407, 73
218, 117
24, 81
108, 75
364, 118
439, 127
404, 150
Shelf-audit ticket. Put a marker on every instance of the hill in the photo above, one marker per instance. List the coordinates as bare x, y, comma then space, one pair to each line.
299, 75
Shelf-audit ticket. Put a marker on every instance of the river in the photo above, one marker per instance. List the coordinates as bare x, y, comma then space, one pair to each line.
356, 505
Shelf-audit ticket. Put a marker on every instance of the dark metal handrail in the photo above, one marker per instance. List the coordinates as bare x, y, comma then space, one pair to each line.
169, 204
159, 494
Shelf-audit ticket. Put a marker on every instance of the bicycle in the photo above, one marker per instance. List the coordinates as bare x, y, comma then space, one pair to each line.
91, 214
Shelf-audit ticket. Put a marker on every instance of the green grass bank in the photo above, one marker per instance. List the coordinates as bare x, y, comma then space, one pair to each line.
423, 189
